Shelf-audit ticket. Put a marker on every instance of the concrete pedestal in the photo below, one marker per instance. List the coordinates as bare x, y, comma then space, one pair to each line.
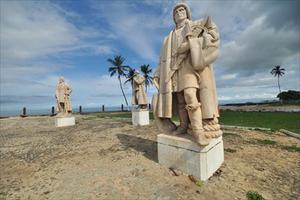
184, 154
140, 117
64, 121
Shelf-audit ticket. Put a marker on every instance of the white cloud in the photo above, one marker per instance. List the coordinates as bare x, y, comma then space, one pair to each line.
37, 30
104, 50
135, 29
32, 32
252, 39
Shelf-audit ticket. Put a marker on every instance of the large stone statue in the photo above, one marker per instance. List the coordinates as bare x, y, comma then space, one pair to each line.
139, 96
62, 95
185, 78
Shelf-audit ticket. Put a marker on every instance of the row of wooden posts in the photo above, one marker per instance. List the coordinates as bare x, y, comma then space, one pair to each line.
24, 111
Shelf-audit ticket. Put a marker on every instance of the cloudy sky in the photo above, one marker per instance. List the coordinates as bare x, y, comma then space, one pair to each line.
42, 40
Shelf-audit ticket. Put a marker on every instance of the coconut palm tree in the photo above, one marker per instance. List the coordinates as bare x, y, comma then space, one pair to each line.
119, 69
278, 71
146, 70
129, 76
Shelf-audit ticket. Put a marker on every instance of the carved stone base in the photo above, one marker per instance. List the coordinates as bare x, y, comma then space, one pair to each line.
184, 154
64, 121
140, 117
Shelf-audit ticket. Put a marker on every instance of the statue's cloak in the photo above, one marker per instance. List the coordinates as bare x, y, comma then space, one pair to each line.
201, 60
139, 96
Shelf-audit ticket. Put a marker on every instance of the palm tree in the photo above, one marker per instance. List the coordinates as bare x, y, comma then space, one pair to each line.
119, 69
146, 70
129, 75
278, 71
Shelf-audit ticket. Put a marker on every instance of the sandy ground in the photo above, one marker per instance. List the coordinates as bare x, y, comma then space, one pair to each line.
111, 159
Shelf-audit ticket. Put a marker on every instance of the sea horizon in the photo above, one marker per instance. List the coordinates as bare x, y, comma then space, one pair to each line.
36, 110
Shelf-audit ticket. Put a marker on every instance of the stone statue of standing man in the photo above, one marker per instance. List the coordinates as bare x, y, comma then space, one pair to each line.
139, 96
185, 78
62, 95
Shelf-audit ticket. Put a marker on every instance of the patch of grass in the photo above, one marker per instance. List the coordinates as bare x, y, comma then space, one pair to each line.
199, 183
230, 150
3, 193
266, 141
253, 195
292, 148
273, 120
90, 118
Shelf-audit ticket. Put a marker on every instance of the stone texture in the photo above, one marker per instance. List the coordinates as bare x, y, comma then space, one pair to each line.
64, 121
185, 78
139, 96
184, 154
63, 100
140, 117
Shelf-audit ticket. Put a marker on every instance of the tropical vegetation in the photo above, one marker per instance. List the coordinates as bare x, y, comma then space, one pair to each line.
278, 71
118, 69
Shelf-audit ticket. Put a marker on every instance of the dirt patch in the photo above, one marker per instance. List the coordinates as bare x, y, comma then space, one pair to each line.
111, 159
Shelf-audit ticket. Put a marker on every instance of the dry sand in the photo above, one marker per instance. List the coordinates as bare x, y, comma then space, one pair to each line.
111, 159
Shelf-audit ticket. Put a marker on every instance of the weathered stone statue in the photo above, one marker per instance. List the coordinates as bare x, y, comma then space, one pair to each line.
62, 95
139, 96
185, 78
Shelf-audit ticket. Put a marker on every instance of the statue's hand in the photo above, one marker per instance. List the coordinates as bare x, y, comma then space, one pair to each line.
207, 38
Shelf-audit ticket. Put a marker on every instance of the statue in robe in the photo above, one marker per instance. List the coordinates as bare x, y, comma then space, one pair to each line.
139, 96
62, 95
185, 78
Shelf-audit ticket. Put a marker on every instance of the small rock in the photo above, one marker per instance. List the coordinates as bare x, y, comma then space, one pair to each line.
47, 192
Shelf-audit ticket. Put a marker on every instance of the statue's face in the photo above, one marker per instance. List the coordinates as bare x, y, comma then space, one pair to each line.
180, 14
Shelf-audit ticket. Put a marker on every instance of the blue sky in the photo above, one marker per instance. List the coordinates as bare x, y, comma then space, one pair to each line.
42, 40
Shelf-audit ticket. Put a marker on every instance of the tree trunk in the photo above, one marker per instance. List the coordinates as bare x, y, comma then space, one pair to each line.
278, 84
123, 91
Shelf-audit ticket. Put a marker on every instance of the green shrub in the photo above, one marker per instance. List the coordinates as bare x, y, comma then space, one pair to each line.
252, 195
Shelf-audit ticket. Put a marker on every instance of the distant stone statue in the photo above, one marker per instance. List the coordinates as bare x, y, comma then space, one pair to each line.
185, 78
139, 96
62, 95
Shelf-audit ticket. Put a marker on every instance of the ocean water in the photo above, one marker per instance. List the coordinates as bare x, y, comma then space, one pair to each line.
44, 111
6, 111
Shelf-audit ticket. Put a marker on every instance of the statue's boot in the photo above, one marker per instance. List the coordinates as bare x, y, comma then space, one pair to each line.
197, 131
184, 121
200, 137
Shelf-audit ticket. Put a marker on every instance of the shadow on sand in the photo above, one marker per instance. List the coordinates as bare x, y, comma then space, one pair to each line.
147, 147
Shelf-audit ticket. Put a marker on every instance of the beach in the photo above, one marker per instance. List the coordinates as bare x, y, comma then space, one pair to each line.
104, 158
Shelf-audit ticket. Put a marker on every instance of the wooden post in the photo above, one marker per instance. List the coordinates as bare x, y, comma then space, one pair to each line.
103, 108
24, 112
52, 111
80, 109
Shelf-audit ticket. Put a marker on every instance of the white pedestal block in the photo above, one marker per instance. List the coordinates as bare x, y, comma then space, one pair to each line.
184, 154
64, 121
140, 118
